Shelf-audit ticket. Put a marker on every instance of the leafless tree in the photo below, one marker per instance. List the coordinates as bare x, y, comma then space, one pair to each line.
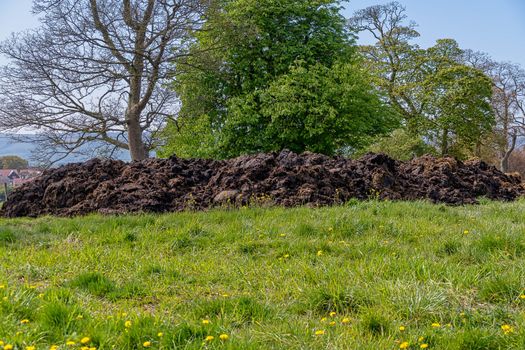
508, 101
96, 70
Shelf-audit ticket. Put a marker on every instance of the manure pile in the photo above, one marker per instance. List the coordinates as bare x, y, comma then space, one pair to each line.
285, 178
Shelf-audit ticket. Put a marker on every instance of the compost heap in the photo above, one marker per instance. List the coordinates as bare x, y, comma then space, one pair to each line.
285, 178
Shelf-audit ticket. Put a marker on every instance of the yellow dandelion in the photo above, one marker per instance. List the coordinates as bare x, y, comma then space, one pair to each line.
41, 295
507, 329
8, 347
24, 321
286, 256
205, 322
84, 348
223, 337
332, 314
92, 348
283, 235
420, 339
70, 343
124, 314
160, 334
320, 332
345, 320
436, 325
2, 286
1, 343
146, 344
404, 345
127, 324
465, 232
424, 346
332, 323
401, 328
319, 252
522, 296
209, 338
85, 340
323, 319
30, 348
53, 347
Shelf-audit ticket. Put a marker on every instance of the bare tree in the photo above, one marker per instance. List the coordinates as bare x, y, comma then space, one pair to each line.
96, 70
508, 102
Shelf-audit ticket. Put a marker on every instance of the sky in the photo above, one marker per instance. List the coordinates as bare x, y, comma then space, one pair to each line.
493, 26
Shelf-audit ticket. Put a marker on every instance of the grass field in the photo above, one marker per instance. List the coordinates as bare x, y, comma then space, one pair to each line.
369, 275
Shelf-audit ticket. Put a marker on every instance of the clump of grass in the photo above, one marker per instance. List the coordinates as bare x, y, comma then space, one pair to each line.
94, 283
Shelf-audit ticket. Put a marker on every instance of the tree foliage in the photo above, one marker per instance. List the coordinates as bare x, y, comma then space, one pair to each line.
274, 74
13, 162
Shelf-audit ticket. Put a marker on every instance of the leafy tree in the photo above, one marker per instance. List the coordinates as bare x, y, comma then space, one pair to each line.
401, 145
440, 97
252, 55
13, 162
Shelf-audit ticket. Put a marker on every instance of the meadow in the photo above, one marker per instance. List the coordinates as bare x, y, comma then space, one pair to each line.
365, 275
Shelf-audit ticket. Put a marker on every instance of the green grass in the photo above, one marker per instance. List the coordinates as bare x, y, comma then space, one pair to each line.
268, 278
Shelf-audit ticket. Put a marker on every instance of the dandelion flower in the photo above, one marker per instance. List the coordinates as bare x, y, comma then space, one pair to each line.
345, 320
224, 337
332, 323
84, 348
286, 256
30, 348
320, 332
507, 329
70, 343
127, 324
53, 347
160, 334
323, 319
403, 345
85, 340
1, 343
436, 325
465, 232
209, 338
8, 347
146, 344
333, 313
420, 339
92, 348
319, 252
522, 296
283, 235
205, 322
24, 321
401, 328
424, 346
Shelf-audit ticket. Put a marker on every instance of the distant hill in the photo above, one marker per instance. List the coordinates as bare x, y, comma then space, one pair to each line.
10, 147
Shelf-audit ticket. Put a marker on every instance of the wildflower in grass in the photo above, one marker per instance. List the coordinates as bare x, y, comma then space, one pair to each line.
323, 319
71, 343
84, 348
92, 348
507, 329
332, 314
401, 328
53, 347
206, 322
345, 320
522, 296
223, 337
436, 325
209, 338
320, 332
424, 346
465, 232
24, 321
225, 295
319, 252
404, 345
283, 235
332, 323
330, 229
8, 347
146, 344
286, 256
85, 340
2, 286
30, 347
127, 324
1, 343
420, 339
160, 334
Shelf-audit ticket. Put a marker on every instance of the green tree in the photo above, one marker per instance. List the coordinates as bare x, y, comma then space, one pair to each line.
249, 57
13, 162
441, 98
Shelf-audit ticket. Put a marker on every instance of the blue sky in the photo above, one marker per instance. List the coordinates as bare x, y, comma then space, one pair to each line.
493, 26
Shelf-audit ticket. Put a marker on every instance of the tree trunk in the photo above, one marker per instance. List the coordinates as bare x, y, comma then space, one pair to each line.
136, 145
444, 143
504, 164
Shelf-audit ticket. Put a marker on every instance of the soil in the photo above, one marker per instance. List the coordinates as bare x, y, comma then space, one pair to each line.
285, 178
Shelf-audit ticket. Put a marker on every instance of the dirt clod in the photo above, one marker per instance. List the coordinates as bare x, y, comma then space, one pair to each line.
285, 178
